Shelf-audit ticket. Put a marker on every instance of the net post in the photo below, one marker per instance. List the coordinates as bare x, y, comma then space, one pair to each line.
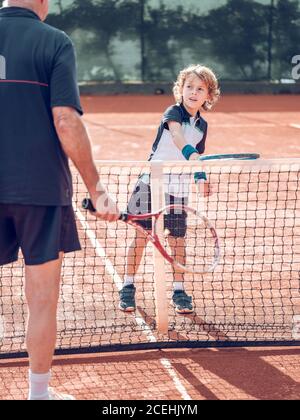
160, 289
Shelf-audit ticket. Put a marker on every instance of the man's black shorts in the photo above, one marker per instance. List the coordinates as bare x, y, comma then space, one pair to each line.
140, 203
42, 232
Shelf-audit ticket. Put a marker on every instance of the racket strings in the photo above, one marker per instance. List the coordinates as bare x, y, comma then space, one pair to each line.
188, 239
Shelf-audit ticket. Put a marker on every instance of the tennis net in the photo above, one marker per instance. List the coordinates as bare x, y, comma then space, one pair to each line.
251, 298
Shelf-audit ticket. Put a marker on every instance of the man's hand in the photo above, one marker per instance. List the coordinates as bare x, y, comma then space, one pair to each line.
106, 208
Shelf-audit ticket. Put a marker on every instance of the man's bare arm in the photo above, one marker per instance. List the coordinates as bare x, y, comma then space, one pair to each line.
76, 143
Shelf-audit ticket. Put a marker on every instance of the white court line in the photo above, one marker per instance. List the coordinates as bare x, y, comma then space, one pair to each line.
251, 125
2, 328
295, 125
154, 127
181, 388
140, 321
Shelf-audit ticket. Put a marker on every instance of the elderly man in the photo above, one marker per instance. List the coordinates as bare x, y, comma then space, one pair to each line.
40, 128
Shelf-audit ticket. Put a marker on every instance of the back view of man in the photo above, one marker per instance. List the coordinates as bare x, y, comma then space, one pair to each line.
40, 128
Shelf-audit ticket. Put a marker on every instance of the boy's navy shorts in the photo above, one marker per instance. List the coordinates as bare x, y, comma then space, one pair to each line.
41, 232
140, 203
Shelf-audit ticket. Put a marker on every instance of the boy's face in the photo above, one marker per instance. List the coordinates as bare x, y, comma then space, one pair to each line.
195, 93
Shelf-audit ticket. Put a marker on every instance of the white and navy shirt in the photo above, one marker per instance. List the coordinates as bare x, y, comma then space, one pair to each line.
194, 129
164, 148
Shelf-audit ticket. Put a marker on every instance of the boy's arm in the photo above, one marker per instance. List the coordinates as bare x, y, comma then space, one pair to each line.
179, 140
178, 137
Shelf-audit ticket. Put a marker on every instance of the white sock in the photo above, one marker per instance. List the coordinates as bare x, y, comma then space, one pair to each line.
128, 280
178, 285
38, 385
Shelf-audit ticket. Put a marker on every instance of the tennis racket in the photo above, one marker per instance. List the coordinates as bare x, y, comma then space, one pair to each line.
183, 236
231, 156
201, 176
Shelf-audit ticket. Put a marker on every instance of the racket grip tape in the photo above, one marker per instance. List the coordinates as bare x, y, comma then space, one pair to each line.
88, 205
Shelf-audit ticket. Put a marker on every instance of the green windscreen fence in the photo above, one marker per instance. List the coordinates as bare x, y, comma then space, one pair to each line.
151, 40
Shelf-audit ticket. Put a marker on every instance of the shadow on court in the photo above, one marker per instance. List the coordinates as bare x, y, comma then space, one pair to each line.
223, 374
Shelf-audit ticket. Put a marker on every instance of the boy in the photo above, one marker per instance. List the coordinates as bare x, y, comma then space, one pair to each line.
181, 135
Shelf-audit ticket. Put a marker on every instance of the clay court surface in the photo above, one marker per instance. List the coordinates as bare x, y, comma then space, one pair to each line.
123, 128
269, 373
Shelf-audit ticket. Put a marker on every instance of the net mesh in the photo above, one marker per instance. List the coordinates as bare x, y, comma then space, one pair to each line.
251, 297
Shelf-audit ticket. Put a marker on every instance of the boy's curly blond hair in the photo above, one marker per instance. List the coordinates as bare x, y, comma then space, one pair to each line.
205, 74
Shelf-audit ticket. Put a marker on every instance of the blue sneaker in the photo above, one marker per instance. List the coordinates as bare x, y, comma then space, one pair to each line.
182, 302
127, 298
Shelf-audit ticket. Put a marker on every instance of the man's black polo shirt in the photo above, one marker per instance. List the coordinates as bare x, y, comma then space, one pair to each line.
37, 72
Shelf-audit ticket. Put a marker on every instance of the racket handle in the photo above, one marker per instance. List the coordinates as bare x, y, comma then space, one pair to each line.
123, 216
88, 205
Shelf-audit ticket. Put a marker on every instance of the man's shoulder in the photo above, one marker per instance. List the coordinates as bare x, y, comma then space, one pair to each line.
57, 34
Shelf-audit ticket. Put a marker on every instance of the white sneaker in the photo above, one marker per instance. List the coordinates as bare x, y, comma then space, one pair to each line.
54, 395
